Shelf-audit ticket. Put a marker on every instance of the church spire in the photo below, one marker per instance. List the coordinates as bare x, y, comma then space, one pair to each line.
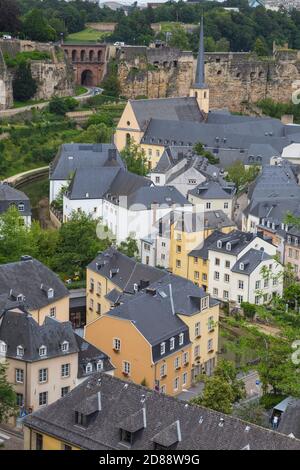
200, 73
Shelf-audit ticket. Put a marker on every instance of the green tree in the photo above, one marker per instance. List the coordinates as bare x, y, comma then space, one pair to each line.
129, 247
200, 150
61, 106
260, 47
238, 174
24, 86
36, 27
249, 310
8, 403
179, 38
134, 157
16, 238
222, 389
99, 133
217, 395
77, 245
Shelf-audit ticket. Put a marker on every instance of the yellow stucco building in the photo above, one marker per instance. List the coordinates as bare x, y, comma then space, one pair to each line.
189, 233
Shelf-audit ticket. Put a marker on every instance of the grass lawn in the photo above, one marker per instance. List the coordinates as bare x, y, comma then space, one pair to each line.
80, 90
86, 35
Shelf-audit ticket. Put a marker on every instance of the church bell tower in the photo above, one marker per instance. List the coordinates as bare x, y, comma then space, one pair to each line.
199, 89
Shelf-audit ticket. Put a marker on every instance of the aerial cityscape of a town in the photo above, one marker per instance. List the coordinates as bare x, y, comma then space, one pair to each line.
149, 229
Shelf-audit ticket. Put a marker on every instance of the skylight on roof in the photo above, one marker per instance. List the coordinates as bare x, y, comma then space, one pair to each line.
162, 294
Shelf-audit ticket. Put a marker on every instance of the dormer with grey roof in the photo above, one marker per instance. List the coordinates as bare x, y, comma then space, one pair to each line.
11, 197
38, 285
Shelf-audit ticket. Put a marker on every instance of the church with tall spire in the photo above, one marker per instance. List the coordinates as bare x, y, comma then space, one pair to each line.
139, 115
199, 88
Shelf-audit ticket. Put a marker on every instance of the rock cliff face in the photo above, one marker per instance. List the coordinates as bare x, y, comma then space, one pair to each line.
6, 94
235, 79
54, 76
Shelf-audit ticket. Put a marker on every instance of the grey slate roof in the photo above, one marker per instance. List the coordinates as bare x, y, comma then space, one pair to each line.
89, 354
30, 278
72, 157
154, 311
202, 250
177, 109
18, 328
123, 271
213, 189
290, 420
11, 196
146, 197
251, 260
200, 428
104, 182
238, 240
194, 222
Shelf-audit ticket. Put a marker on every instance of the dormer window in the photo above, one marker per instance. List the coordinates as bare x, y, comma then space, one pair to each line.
99, 366
21, 207
172, 344
89, 368
3, 347
242, 266
205, 302
162, 348
43, 351
219, 243
228, 246
50, 293
20, 351
181, 339
20, 298
65, 346
126, 436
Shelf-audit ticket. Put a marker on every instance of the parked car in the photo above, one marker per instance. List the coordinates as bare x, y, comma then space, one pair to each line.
6, 36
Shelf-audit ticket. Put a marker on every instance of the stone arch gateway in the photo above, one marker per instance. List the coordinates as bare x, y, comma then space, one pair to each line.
88, 61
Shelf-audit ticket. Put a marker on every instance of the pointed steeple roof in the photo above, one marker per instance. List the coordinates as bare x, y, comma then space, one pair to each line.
200, 73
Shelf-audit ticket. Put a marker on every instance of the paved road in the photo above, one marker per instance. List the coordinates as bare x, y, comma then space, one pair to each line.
10, 439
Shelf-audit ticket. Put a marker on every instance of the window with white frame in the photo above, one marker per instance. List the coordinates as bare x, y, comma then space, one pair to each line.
208, 205
185, 358
163, 389
176, 384
117, 344
181, 339
65, 370
205, 302
215, 292
88, 368
50, 293
91, 304
266, 283
92, 283
217, 261
210, 345
126, 367
210, 324
257, 284
21, 207
227, 264
65, 346
99, 365
275, 281
226, 294
226, 278
53, 312
240, 299
225, 205
216, 276
64, 391
20, 351
257, 300
163, 370
43, 351
99, 288
197, 351
172, 344
184, 378
43, 398
177, 362
162, 348
19, 376
3, 347
240, 284
43, 375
